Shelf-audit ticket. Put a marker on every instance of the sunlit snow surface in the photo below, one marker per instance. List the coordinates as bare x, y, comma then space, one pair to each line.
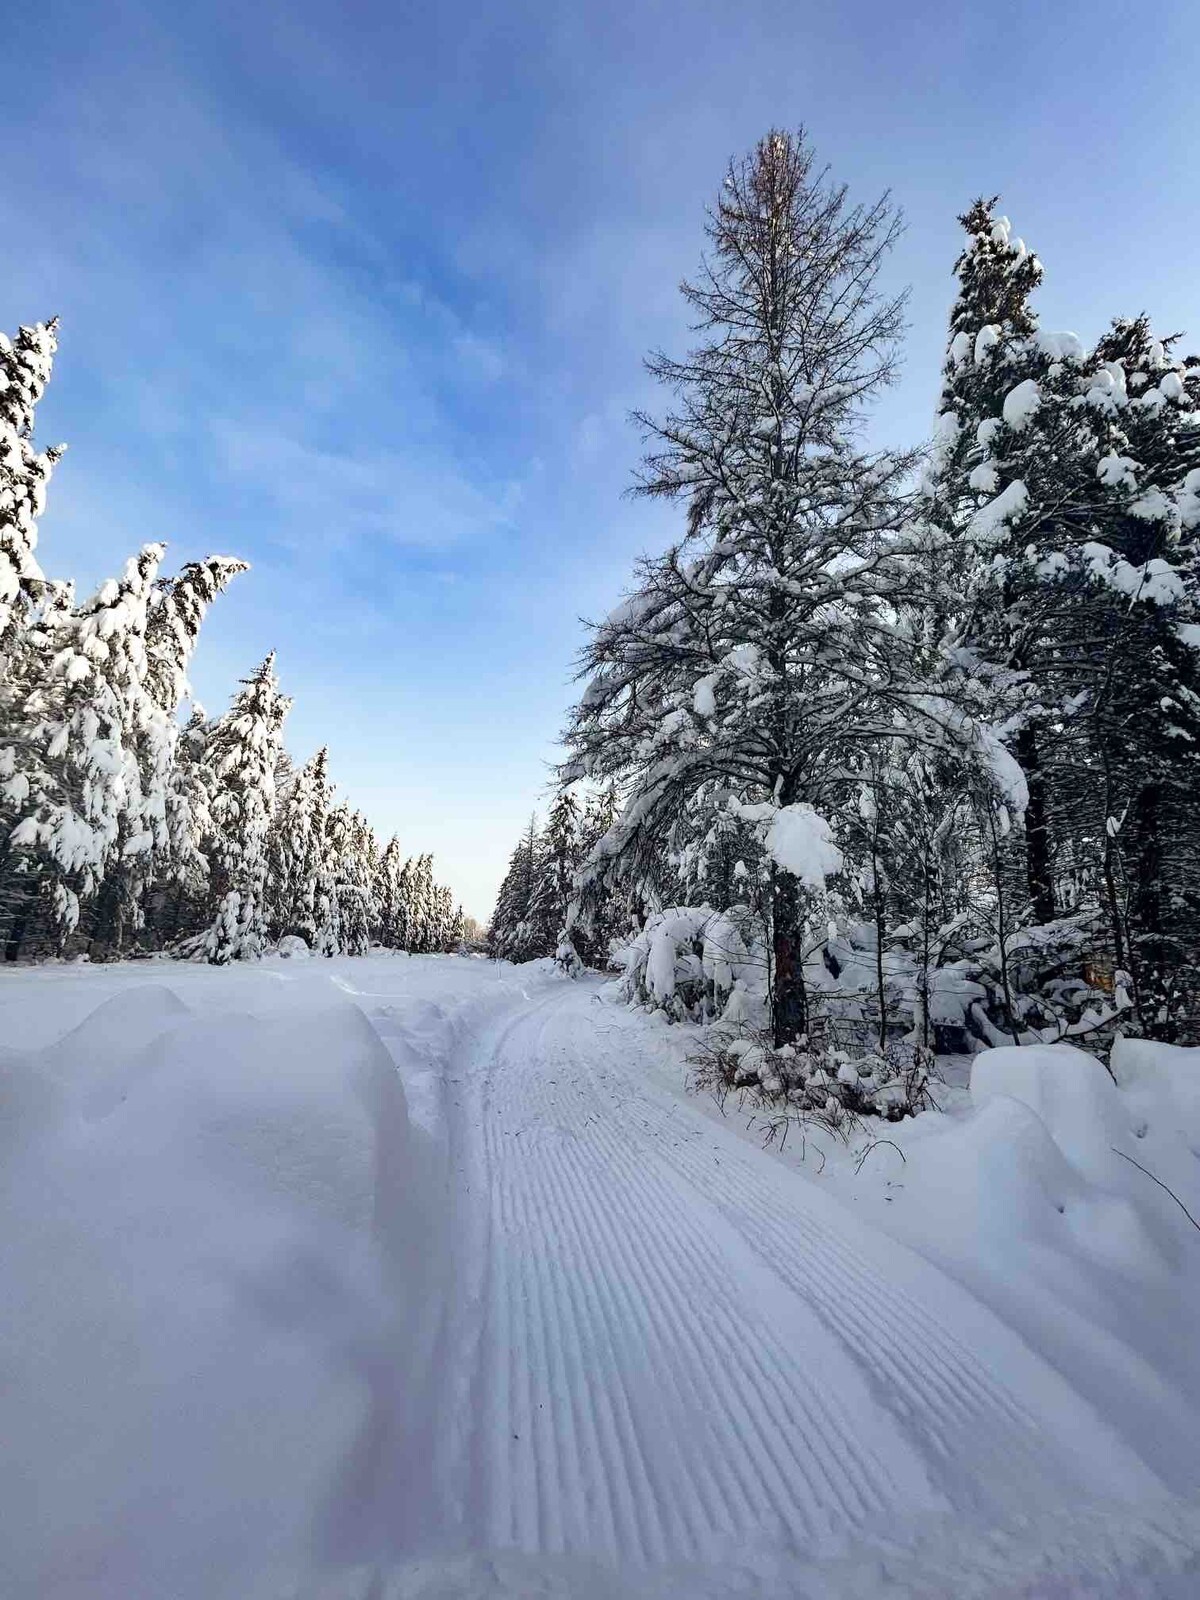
363, 1279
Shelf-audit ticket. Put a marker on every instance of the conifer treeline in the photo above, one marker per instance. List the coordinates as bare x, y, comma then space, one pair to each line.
122, 831
534, 901
976, 666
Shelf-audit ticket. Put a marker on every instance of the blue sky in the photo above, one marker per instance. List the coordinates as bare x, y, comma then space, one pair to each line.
360, 292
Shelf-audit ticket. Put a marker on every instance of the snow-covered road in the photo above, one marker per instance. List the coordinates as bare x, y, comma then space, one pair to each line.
638, 1344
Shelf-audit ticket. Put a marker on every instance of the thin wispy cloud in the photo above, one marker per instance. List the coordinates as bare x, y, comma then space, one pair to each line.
351, 497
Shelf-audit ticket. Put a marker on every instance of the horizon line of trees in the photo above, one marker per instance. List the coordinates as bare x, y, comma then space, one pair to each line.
534, 899
125, 831
968, 675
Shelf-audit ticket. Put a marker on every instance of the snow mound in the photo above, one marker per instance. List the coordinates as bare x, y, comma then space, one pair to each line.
212, 1231
1070, 1092
1128, 1132
1147, 1068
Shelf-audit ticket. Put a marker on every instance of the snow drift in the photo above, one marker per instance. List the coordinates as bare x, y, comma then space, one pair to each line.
213, 1229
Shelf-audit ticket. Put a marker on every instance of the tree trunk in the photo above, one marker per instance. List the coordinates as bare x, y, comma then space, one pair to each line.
18, 925
880, 934
1150, 948
108, 925
1147, 897
1039, 874
789, 1001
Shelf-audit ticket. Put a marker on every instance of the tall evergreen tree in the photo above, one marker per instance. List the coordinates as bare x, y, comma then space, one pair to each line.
25, 364
241, 754
757, 653
390, 898
510, 919
184, 882
1060, 481
556, 861
85, 805
299, 867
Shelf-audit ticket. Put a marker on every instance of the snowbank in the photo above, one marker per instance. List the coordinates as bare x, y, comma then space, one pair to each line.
1044, 1195
211, 1230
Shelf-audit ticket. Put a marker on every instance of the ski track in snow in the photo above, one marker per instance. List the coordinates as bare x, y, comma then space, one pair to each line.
662, 1346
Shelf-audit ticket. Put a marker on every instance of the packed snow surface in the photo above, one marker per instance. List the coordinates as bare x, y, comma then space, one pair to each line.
347, 1280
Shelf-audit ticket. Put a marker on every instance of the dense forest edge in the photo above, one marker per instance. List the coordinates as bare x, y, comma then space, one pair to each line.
132, 823
892, 753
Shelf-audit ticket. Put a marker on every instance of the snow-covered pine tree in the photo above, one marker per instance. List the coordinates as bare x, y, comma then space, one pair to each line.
241, 755
758, 653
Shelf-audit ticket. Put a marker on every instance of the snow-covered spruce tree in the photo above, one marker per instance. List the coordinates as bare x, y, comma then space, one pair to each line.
298, 861
443, 919
241, 755
176, 609
29, 609
420, 904
1010, 456
353, 850
596, 918
391, 898
556, 860
26, 692
25, 364
84, 805
413, 904
762, 651
1139, 585
181, 889
510, 918
1060, 480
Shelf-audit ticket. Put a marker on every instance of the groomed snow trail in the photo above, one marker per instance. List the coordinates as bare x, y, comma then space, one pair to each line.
392, 1279
661, 1347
